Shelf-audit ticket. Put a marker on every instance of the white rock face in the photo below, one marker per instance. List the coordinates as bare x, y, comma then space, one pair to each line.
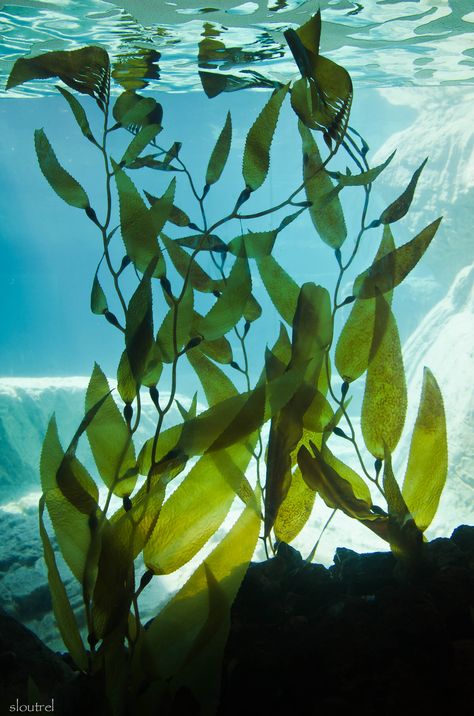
443, 131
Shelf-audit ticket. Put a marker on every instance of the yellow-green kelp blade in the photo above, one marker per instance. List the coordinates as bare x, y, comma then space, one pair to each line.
295, 510
428, 458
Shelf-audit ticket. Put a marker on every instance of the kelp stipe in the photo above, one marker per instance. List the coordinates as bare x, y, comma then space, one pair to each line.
178, 656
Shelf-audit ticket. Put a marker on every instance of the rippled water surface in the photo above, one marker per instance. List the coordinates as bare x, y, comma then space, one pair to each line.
380, 42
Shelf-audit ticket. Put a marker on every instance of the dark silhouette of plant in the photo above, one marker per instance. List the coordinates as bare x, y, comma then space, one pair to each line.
142, 668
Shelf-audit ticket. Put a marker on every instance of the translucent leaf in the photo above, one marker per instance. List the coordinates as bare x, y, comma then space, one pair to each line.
385, 397
391, 269
400, 206
139, 142
428, 458
62, 609
98, 300
312, 327
359, 487
139, 326
295, 510
140, 226
220, 153
86, 71
79, 114
203, 242
175, 330
252, 310
196, 509
253, 245
219, 349
336, 491
109, 437
126, 383
70, 524
217, 385
230, 306
326, 216
65, 186
281, 288
397, 507
357, 336
173, 633
259, 138
363, 178
186, 266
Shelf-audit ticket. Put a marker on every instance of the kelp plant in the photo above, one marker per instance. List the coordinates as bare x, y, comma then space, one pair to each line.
181, 649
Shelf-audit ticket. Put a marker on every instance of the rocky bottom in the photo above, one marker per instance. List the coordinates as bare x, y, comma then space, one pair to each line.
362, 635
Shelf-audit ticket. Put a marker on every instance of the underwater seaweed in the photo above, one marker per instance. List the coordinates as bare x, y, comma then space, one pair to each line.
142, 668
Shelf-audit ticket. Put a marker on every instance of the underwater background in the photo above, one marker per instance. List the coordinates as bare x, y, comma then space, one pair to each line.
412, 65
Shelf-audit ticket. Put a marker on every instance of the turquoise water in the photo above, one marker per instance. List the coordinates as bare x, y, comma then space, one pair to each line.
413, 70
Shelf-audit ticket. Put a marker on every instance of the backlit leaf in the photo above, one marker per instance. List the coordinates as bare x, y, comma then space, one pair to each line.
252, 310
326, 216
220, 153
139, 142
357, 337
62, 609
98, 300
400, 206
217, 385
428, 457
126, 383
230, 306
363, 178
139, 325
281, 288
58, 178
109, 437
133, 110
175, 330
385, 397
186, 266
295, 509
390, 270
259, 138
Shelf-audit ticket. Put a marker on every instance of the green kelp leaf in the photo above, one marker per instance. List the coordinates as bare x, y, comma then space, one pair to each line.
385, 397
259, 138
70, 525
400, 206
278, 358
178, 217
252, 310
216, 384
109, 437
196, 509
403, 534
79, 114
65, 186
295, 510
153, 366
428, 458
203, 242
98, 299
229, 307
62, 609
139, 142
358, 486
357, 336
391, 269
312, 330
222, 425
175, 330
330, 85
139, 325
397, 507
86, 71
363, 178
220, 153
302, 102
140, 226
173, 633
126, 383
186, 266
254, 245
336, 491
219, 350
133, 110
326, 216
281, 288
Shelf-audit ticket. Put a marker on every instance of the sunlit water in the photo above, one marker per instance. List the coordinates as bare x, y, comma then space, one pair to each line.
412, 64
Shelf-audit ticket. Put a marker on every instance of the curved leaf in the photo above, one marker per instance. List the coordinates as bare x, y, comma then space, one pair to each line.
281, 288
391, 269
428, 458
230, 306
357, 336
186, 266
132, 110
98, 299
259, 138
220, 153
109, 437
363, 178
58, 178
217, 385
139, 325
86, 70
295, 510
139, 142
385, 397
326, 216
175, 330
400, 206
79, 114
